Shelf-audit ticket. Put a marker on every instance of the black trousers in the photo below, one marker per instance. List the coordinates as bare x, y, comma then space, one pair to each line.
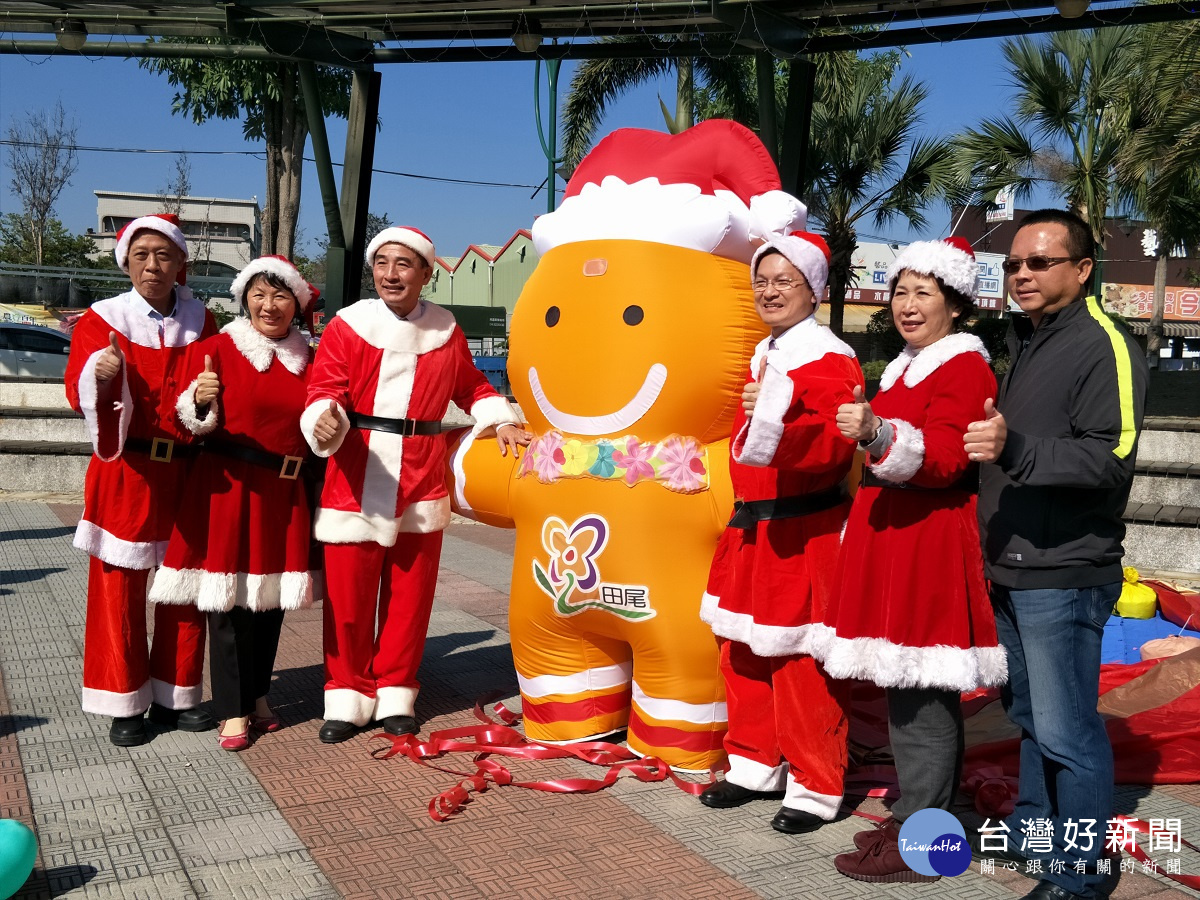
241, 655
926, 729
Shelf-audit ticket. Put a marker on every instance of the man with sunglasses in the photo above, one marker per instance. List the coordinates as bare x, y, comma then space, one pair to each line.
1061, 441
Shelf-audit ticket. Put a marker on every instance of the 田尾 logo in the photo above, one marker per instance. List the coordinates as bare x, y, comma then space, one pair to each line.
571, 576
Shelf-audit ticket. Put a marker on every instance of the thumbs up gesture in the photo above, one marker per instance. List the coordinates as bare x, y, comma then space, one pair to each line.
856, 421
750, 391
326, 427
110, 361
984, 440
208, 386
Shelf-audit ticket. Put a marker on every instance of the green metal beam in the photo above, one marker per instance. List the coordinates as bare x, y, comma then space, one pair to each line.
758, 27
361, 126
797, 120
316, 44
764, 74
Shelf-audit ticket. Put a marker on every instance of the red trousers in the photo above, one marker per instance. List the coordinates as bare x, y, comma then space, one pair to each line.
370, 672
787, 728
120, 677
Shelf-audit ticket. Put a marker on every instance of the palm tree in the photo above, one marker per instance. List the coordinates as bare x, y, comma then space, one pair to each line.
1158, 165
1069, 86
857, 165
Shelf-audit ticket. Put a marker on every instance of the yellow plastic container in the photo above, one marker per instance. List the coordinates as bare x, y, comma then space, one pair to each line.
1137, 601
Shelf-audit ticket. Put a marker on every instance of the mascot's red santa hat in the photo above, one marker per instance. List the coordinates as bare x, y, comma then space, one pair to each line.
695, 189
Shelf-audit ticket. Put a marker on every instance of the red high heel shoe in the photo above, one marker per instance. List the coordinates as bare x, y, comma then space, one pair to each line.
265, 724
234, 742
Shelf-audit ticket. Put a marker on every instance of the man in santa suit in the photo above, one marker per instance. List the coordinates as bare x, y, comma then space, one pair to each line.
774, 567
385, 371
125, 372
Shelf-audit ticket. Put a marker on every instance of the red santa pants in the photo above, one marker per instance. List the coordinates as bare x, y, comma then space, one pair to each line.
369, 673
787, 728
120, 677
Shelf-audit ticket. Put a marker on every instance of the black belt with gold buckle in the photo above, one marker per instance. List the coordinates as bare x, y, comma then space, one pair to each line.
286, 466
402, 427
162, 450
747, 513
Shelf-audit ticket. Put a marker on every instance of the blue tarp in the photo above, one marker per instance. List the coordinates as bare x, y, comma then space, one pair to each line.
1123, 638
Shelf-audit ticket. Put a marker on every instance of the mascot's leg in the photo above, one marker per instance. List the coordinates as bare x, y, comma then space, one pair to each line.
679, 713
574, 685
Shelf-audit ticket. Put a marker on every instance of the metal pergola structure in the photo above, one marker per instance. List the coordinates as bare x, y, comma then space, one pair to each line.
361, 34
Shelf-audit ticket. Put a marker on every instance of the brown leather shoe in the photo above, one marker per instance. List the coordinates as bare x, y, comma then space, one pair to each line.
880, 861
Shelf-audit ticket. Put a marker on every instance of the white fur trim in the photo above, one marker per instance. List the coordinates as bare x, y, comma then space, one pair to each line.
308, 421
896, 665
458, 460
395, 701
773, 213
147, 223
492, 412
189, 415
222, 591
763, 640
340, 526
797, 796
956, 269
425, 516
110, 703
406, 235
127, 315
372, 321
917, 365
680, 215
284, 271
802, 254
345, 705
89, 399
668, 710
754, 776
259, 350
95, 541
175, 696
904, 458
601, 678
803, 343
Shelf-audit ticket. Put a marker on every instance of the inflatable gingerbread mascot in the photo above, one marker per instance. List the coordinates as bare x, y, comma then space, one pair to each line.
629, 347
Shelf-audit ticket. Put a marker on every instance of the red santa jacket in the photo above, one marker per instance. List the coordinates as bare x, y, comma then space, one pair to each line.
374, 363
130, 499
769, 584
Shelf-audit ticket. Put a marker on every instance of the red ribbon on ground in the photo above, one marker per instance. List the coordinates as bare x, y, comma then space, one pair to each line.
500, 738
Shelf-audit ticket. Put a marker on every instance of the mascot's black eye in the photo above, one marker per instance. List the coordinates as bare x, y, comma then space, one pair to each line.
633, 315
552, 316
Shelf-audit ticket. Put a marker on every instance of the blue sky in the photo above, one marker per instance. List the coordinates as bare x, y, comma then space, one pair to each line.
459, 120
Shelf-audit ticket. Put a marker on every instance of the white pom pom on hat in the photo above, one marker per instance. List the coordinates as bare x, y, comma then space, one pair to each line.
410, 237
951, 259
283, 269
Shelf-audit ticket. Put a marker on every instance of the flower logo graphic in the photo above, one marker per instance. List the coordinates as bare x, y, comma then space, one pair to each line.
635, 461
573, 551
681, 464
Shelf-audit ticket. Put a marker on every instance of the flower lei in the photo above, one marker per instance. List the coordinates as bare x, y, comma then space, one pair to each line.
680, 464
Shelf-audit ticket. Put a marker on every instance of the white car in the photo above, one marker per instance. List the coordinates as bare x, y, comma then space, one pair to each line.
32, 353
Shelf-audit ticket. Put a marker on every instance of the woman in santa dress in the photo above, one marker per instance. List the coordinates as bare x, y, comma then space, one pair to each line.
240, 548
912, 614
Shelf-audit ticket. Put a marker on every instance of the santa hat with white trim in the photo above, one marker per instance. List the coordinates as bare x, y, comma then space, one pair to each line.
805, 250
951, 259
166, 224
283, 269
410, 237
712, 188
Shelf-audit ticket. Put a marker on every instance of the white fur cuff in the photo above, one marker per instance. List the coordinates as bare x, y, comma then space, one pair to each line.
395, 701
97, 419
491, 412
754, 776
756, 443
345, 705
904, 458
308, 421
189, 414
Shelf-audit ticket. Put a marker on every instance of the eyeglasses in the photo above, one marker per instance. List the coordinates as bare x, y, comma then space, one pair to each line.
1035, 263
780, 284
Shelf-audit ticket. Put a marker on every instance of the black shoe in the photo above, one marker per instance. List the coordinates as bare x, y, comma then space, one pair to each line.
194, 719
128, 731
1048, 890
334, 731
726, 795
399, 725
795, 821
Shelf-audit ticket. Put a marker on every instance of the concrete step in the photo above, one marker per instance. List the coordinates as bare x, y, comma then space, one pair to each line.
36, 471
1169, 438
1165, 547
56, 426
1166, 483
33, 395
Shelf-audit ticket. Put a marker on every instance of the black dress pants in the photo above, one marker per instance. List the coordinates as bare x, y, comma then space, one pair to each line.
926, 730
242, 646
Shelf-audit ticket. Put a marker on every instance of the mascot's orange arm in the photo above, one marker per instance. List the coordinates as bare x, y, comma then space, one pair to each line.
479, 479
720, 485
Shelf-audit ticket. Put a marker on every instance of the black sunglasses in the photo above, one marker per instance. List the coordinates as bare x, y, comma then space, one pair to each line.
1035, 263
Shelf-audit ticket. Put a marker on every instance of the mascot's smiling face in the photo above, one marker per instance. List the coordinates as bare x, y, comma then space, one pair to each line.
616, 337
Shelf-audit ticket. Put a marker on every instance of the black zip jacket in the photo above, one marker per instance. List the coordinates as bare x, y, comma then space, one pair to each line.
1073, 398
